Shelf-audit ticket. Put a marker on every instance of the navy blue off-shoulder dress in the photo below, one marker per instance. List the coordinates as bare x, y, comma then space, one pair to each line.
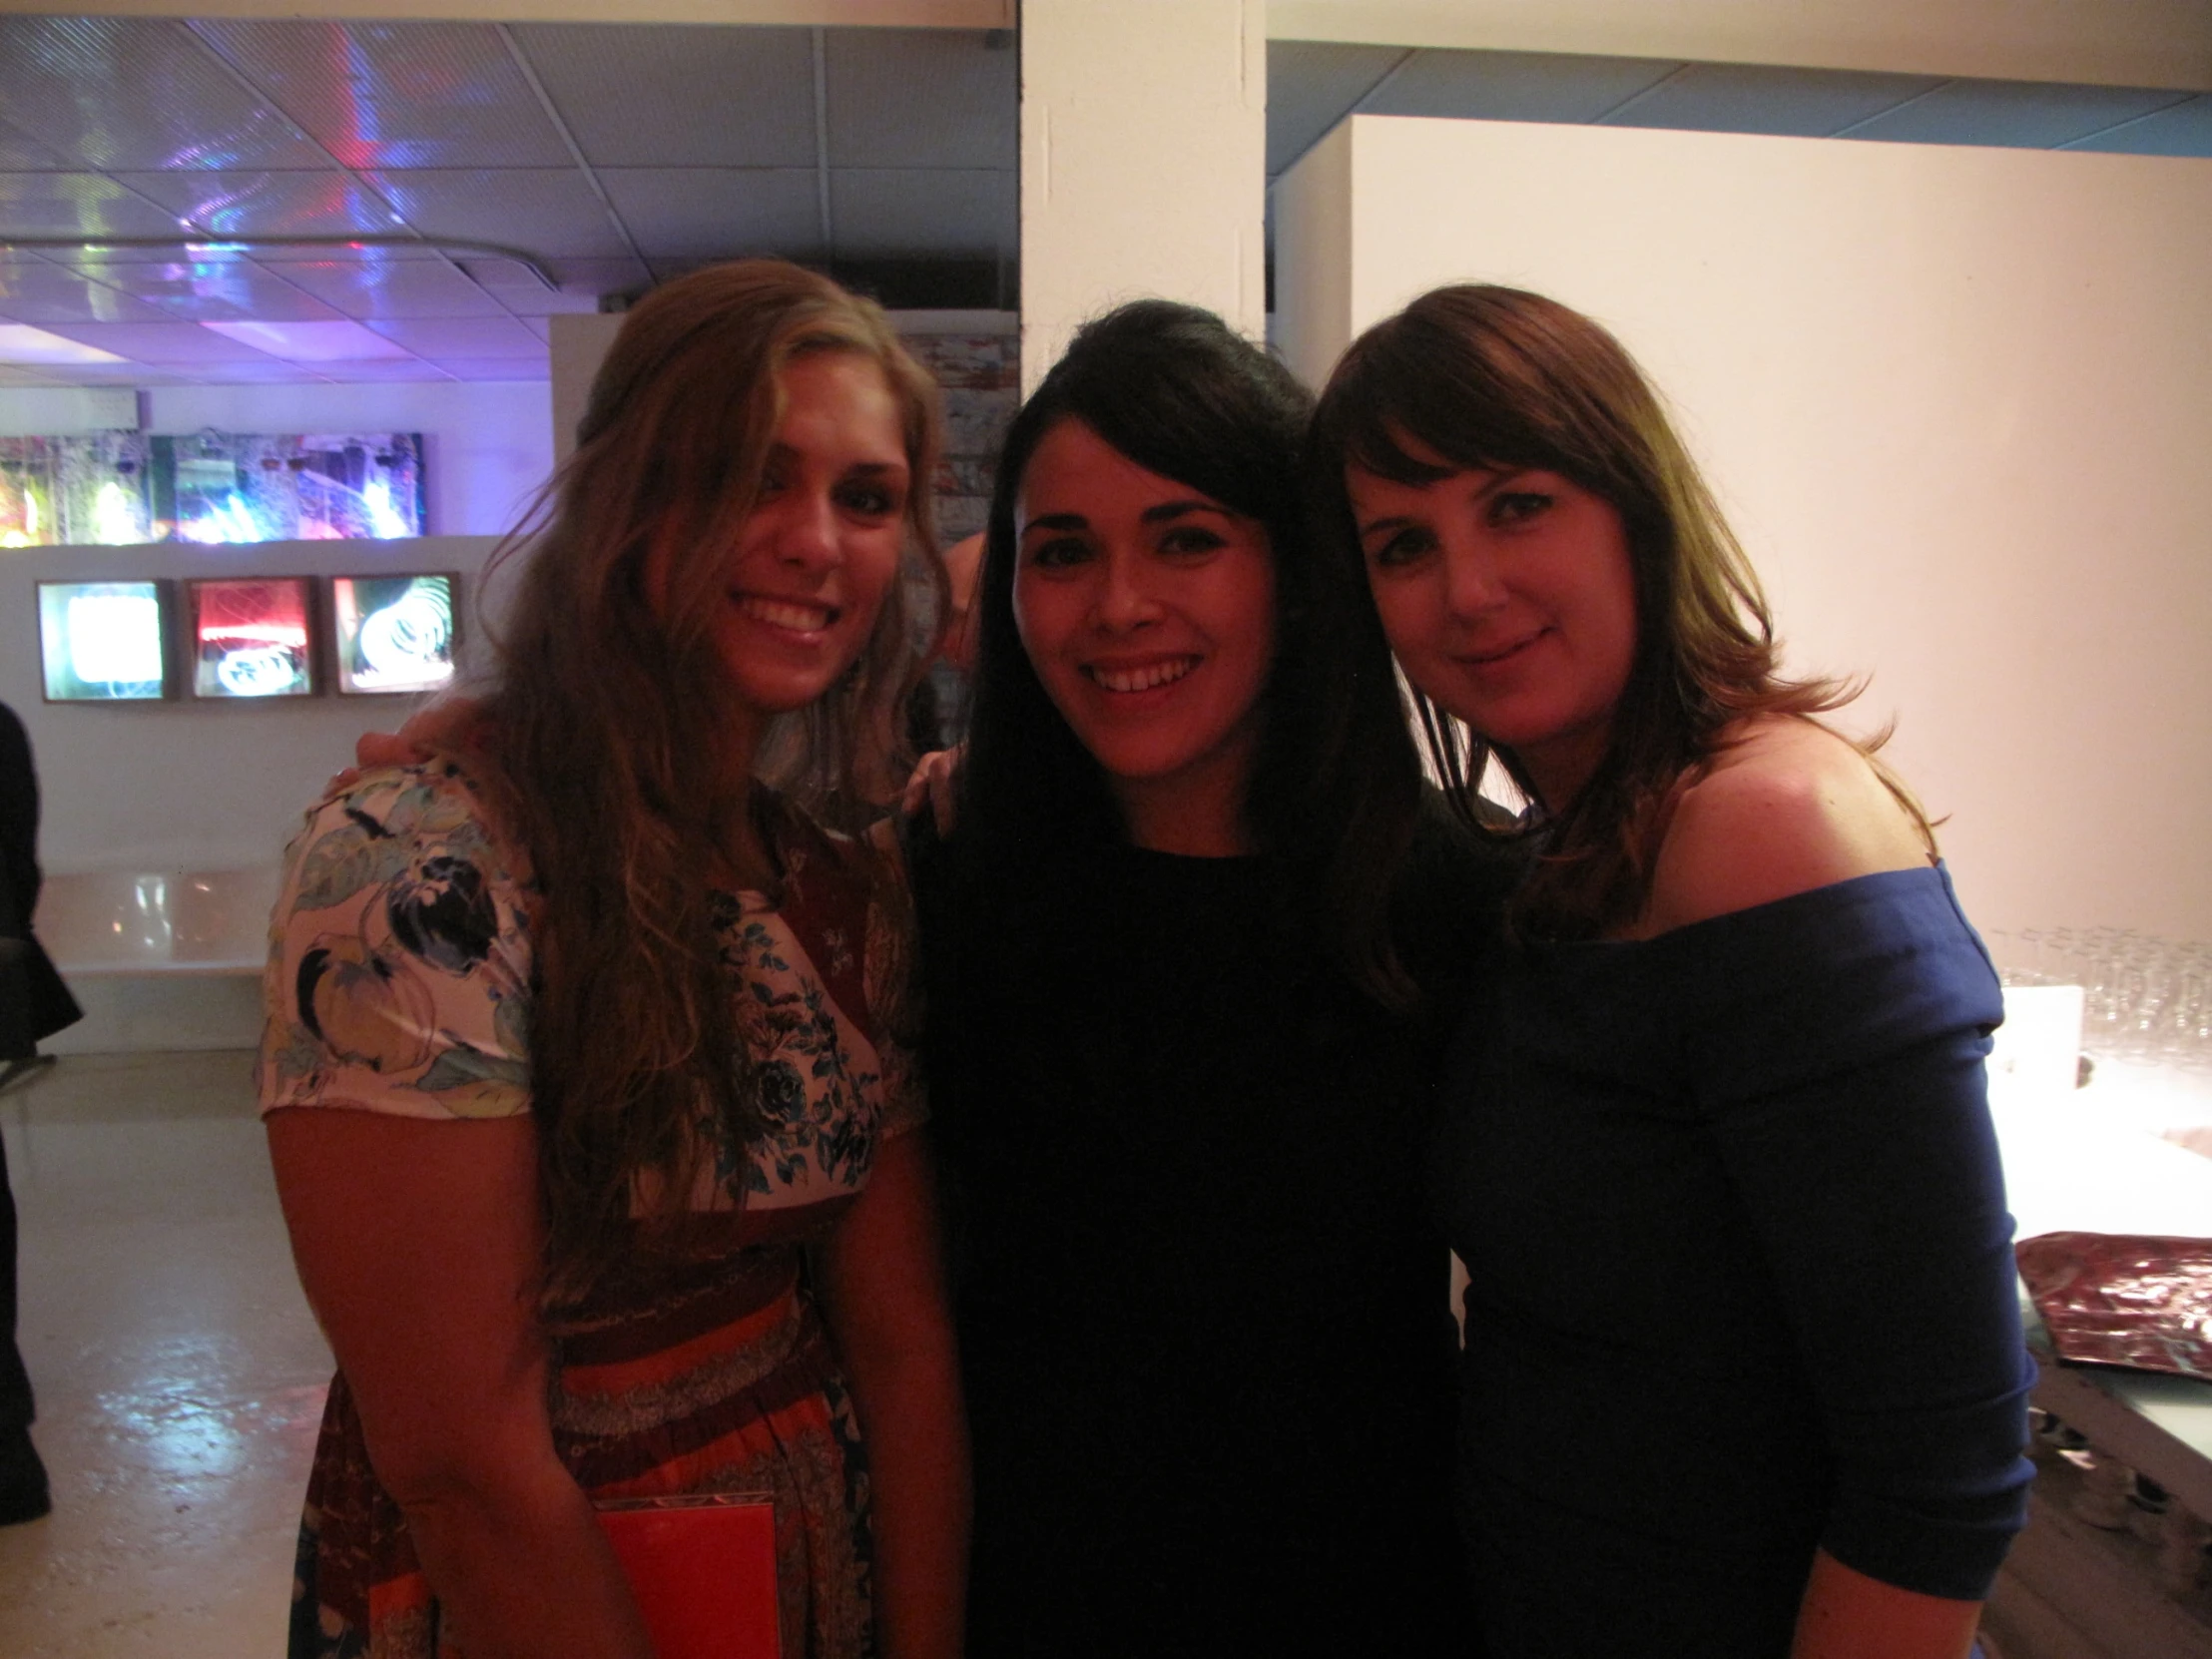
1743, 1280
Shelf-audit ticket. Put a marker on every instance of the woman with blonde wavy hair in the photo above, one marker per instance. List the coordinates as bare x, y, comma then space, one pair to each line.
585, 1070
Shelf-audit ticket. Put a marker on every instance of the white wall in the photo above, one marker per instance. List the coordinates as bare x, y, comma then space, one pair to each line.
2149, 43
1956, 402
188, 786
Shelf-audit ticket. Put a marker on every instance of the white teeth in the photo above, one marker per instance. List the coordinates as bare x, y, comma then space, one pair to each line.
779, 613
1142, 678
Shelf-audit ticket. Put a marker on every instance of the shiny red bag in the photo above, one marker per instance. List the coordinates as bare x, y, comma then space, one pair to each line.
2119, 1298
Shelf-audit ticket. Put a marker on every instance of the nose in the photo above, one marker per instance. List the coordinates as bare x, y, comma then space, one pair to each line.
806, 530
1124, 599
1473, 582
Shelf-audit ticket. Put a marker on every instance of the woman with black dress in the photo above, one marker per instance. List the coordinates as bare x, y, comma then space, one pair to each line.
1178, 1057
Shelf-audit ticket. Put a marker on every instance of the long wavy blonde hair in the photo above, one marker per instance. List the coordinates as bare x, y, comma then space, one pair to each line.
609, 710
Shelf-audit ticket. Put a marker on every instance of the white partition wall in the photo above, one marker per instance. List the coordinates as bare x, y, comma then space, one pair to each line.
1956, 401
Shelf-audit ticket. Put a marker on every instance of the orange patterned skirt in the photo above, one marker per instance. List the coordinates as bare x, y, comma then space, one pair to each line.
725, 1383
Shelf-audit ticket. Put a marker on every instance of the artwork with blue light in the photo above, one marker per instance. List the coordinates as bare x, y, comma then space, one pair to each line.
231, 488
103, 641
394, 633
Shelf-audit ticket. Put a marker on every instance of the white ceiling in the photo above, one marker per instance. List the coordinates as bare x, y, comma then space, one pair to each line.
511, 171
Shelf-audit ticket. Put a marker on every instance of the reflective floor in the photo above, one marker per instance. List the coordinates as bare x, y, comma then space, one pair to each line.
179, 1374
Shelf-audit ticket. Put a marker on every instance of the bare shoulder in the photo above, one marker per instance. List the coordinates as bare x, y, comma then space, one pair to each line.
1788, 808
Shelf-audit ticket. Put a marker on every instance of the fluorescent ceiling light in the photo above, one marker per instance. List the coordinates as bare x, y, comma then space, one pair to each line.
22, 343
312, 342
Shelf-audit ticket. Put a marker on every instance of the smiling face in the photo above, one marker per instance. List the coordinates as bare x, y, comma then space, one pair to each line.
1148, 612
1509, 599
800, 592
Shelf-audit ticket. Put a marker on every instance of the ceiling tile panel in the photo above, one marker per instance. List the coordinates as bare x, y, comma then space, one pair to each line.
1312, 85
267, 372
325, 204
367, 284
2023, 114
2180, 130
874, 211
462, 336
162, 343
718, 213
1744, 98
544, 211
33, 290
211, 287
914, 98
122, 92
682, 96
21, 152
1513, 86
403, 94
76, 205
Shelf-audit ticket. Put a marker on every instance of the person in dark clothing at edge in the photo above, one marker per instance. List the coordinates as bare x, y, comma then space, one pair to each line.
34, 1003
1180, 949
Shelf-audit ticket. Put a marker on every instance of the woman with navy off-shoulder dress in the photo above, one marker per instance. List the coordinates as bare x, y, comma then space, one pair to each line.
1743, 1374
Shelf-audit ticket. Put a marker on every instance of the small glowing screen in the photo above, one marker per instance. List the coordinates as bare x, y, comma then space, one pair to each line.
394, 633
249, 638
103, 641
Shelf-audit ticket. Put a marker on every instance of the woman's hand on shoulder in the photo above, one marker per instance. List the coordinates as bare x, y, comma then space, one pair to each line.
1788, 808
932, 787
452, 722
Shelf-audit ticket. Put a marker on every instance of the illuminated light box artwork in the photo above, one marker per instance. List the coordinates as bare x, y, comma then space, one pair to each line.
85, 490
104, 642
250, 636
394, 632
235, 487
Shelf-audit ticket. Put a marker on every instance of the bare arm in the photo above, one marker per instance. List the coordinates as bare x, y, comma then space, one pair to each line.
884, 1299
417, 1244
1794, 808
1847, 1615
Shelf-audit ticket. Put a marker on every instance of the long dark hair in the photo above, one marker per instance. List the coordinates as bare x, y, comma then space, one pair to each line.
609, 710
1486, 376
1336, 781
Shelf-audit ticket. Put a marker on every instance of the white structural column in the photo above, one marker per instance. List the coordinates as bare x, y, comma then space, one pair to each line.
1143, 162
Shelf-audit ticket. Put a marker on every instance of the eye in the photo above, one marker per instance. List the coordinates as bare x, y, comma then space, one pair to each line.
1401, 548
1190, 539
1510, 508
870, 499
1056, 552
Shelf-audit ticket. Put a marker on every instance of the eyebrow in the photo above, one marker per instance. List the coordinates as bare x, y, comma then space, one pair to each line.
1161, 513
1397, 521
778, 451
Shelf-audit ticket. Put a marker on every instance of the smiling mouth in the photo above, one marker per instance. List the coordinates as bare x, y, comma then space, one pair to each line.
1142, 677
792, 615
1486, 659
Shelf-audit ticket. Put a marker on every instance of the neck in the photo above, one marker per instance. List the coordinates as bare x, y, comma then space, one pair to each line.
1200, 816
1559, 770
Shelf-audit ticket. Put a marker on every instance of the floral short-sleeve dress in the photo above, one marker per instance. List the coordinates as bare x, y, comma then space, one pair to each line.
399, 981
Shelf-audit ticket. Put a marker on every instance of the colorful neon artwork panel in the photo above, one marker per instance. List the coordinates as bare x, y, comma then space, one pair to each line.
104, 642
230, 487
250, 637
394, 632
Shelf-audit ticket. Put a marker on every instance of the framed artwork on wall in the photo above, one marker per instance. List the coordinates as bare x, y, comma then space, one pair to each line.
394, 634
250, 636
104, 642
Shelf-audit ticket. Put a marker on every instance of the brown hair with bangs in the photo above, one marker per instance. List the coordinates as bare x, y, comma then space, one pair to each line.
610, 710
1497, 377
